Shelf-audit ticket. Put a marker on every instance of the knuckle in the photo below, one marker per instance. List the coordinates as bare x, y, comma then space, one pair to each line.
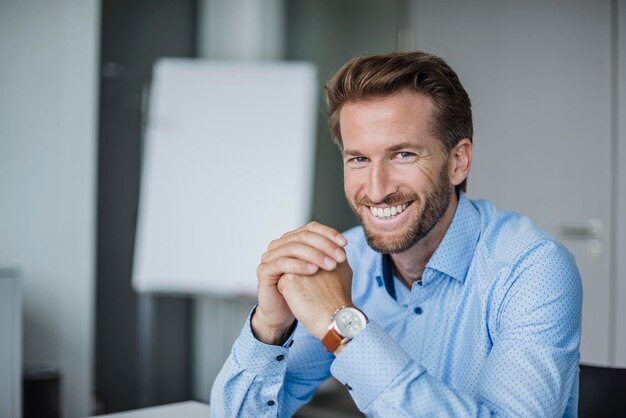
260, 270
288, 278
293, 246
285, 282
272, 244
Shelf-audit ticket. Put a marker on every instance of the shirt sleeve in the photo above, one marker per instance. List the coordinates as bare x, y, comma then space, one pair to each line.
262, 380
530, 370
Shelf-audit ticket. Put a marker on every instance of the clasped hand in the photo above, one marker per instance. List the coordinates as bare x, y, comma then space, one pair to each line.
304, 275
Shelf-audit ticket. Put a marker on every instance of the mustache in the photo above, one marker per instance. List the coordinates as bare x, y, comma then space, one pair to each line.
391, 200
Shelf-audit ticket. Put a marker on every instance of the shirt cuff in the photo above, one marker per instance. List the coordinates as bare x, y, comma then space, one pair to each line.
369, 364
256, 356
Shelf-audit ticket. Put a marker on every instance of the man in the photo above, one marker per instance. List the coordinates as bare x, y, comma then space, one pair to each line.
437, 305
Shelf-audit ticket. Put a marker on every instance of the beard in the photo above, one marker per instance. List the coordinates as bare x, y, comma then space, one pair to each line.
431, 210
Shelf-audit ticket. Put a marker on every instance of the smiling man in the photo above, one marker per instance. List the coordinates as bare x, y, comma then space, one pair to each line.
437, 305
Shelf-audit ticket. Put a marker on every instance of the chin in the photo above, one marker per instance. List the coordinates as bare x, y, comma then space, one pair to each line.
390, 243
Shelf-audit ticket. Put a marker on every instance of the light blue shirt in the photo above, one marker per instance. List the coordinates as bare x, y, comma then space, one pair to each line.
493, 329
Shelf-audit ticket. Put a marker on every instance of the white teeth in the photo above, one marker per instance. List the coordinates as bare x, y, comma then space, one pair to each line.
389, 211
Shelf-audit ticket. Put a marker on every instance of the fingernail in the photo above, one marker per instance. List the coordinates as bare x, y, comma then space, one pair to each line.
341, 240
340, 256
330, 263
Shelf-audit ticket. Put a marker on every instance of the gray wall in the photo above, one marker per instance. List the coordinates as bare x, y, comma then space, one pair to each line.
47, 180
142, 341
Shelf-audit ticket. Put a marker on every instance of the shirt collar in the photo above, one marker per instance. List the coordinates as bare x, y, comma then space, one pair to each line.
456, 251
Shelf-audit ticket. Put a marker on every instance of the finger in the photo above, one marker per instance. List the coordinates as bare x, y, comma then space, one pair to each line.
312, 239
324, 230
304, 252
269, 273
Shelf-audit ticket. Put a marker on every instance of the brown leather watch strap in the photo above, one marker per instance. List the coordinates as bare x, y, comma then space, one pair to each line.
331, 340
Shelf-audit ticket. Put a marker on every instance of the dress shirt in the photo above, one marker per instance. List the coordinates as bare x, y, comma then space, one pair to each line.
493, 328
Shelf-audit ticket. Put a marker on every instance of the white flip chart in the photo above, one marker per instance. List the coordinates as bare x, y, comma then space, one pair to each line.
227, 167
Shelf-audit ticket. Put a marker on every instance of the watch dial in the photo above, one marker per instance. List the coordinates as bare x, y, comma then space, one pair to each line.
349, 322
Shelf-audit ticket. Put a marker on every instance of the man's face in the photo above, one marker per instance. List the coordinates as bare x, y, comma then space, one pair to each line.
395, 172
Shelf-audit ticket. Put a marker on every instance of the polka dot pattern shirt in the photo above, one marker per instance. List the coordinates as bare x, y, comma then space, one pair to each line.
493, 328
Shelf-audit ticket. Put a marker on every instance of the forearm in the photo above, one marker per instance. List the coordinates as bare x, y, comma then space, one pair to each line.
382, 377
390, 383
251, 381
269, 380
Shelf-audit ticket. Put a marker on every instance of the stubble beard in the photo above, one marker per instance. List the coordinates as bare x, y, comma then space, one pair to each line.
430, 212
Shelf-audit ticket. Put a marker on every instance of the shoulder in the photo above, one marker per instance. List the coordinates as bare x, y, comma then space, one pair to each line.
507, 236
512, 248
519, 261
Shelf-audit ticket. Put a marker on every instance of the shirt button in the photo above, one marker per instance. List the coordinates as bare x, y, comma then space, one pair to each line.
348, 386
290, 343
270, 403
280, 358
418, 310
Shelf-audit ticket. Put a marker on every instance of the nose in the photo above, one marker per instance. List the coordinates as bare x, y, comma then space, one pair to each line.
381, 183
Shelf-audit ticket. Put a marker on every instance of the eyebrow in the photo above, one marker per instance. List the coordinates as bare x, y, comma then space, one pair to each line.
396, 147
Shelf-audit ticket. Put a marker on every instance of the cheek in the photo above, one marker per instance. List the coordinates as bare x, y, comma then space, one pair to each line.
351, 183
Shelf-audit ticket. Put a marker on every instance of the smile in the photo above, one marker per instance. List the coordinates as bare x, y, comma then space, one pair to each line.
388, 212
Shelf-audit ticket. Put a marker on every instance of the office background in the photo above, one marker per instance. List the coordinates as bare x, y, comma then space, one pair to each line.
72, 81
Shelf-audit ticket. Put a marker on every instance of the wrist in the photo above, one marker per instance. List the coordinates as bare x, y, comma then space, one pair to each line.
268, 332
340, 348
346, 323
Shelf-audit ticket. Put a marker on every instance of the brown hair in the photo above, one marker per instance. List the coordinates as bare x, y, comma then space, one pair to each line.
372, 76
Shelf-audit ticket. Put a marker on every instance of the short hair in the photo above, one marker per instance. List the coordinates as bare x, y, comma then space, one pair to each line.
374, 76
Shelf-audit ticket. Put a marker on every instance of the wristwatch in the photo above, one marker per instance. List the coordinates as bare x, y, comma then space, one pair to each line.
347, 322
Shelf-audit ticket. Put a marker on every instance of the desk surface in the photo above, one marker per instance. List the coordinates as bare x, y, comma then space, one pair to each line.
189, 409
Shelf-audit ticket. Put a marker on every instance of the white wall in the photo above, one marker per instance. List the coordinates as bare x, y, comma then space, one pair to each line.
48, 92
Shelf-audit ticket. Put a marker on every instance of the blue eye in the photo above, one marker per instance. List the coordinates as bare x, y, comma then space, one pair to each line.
404, 155
357, 161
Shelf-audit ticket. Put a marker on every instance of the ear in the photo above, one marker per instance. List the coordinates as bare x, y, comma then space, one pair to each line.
459, 161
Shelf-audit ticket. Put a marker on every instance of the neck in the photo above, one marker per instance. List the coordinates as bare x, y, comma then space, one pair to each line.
409, 265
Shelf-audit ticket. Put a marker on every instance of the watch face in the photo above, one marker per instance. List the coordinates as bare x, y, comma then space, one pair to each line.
349, 322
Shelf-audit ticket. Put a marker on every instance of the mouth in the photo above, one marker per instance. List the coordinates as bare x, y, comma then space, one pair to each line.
387, 213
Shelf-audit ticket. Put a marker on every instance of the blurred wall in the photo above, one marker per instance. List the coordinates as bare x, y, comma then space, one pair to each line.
142, 341
47, 180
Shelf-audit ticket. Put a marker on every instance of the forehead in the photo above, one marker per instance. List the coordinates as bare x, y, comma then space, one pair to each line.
401, 117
